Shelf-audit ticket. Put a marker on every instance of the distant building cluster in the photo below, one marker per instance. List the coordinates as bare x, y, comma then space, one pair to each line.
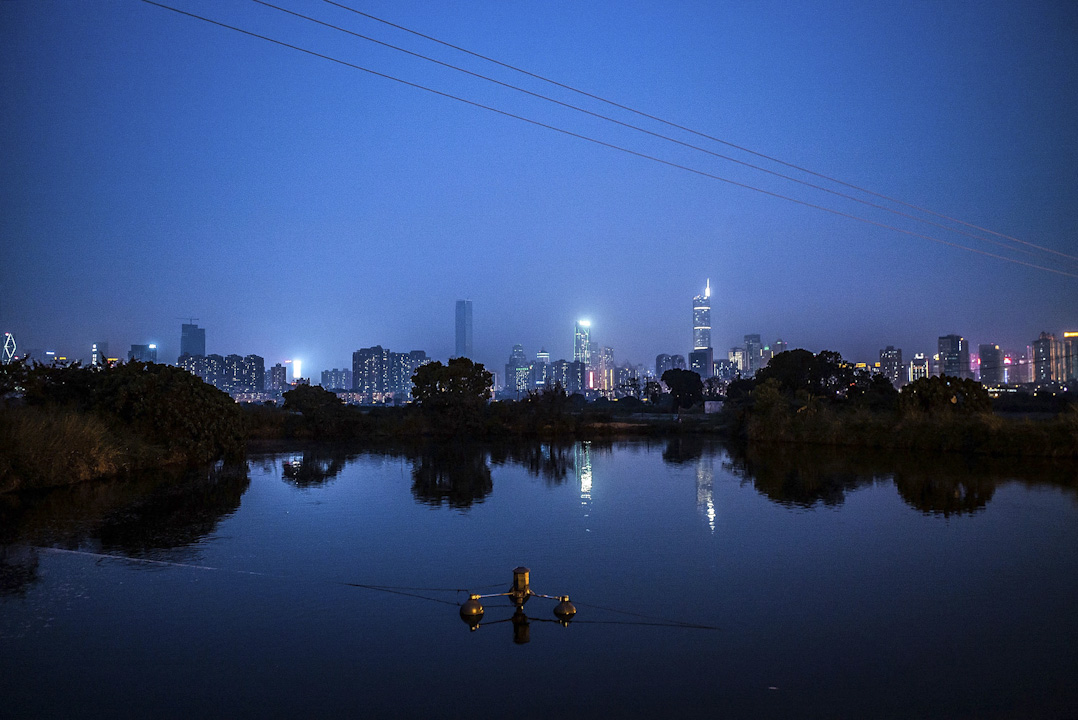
380, 376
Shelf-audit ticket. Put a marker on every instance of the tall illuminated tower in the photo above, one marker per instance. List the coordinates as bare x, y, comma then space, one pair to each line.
582, 342
701, 359
701, 319
463, 347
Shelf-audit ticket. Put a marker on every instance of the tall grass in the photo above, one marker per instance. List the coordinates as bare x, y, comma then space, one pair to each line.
46, 447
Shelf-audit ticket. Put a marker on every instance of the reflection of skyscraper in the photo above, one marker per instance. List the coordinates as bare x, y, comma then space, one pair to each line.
463, 346
705, 489
582, 465
192, 340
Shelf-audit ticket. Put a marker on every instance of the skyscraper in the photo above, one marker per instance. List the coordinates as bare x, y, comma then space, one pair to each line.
582, 342
541, 369
192, 340
754, 349
143, 353
463, 346
918, 367
1047, 359
99, 353
991, 364
891, 365
701, 319
1070, 356
702, 357
954, 356
517, 371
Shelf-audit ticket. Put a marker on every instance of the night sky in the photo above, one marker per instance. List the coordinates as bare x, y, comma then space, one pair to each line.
155, 167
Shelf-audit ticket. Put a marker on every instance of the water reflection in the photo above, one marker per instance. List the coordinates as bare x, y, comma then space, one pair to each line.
315, 467
938, 484
453, 474
582, 463
134, 517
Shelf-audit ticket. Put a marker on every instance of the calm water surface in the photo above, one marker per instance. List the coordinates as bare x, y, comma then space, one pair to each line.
707, 585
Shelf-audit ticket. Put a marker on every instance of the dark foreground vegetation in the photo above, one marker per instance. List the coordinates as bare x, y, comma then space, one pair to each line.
63, 425
818, 399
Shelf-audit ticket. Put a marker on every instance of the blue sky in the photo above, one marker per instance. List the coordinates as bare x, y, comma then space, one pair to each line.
154, 167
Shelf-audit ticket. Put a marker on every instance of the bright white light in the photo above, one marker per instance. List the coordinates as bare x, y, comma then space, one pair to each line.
153, 347
584, 323
296, 371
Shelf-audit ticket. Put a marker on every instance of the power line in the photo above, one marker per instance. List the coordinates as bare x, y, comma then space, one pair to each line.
727, 143
643, 130
605, 144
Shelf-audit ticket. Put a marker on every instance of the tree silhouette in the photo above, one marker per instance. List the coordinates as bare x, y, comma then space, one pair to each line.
685, 386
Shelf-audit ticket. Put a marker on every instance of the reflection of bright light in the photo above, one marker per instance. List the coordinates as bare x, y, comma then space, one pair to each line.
582, 462
705, 495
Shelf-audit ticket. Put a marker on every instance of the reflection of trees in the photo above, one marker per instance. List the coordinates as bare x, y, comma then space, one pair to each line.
175, 515
551, 462
682, 449
455, 474
132, 517
791, 480
938, 483
945, 494
315, 467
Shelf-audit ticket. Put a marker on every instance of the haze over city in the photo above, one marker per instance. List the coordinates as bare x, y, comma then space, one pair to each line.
157, 167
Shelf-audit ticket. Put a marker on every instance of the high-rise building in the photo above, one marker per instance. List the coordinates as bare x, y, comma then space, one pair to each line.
754, 352
277, 379
780, 346
99, 353
463, 346
725, 370
582, 342
570, 375
737, 357
919, 367
604, 380
701, 362
702, 357
541, 369
668, 362
517, 371
192, 340
381, 376
1070, 356
992, 368
891, 366
954, 356
1047, 359
143, 353
337, 379
10, 349
701, 319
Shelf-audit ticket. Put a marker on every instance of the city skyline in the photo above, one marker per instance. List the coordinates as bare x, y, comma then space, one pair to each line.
158, 166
